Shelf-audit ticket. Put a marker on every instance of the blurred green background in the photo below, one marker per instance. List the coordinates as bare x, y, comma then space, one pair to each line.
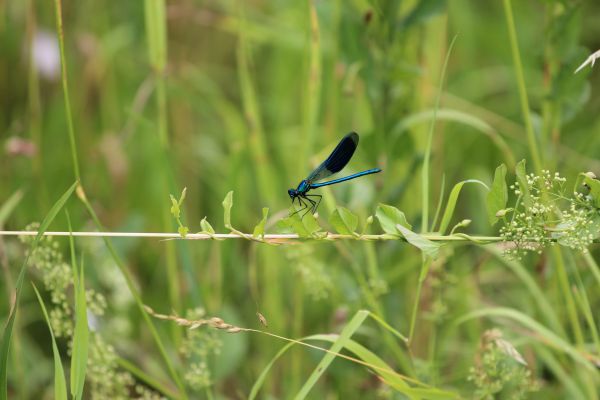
249, 96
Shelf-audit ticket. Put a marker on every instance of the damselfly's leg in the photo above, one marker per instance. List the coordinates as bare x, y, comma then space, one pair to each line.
304, 206
312, 206
314, 209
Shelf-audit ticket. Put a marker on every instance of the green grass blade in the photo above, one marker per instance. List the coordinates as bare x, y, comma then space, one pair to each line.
546, 309
60, 384
427, 157
368, 359
257, 145
388, 327
524, 100
546, 335
156, 33
380, 367
65, 87
263, 375
584, 304
80, 334
438, 208
568, 380
451, 205
340, 343
9, 205
7, 334
312, 93
457, 116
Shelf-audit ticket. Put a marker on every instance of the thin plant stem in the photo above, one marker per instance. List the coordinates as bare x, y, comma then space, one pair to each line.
425, 195
284, 237
568, 295
65, 87
523, 98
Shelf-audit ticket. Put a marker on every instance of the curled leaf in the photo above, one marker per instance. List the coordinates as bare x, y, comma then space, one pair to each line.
259, 229
343, 221
389, 217
498, 195
227, 204
206, 227
429, 248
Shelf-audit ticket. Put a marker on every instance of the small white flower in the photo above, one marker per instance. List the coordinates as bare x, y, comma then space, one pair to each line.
45, 54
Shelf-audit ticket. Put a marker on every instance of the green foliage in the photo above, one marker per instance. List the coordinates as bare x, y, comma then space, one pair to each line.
206, 226
389, 217
500, 373
522, 183
227, 204
548, 214
498, 195
305, 226
343, 221
589, 187
452, 200
259, 229
79, 356
197, 349
60, 384
429, 248
176, 212
7, 333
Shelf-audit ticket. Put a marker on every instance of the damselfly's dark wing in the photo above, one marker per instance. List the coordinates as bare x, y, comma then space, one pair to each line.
337, 160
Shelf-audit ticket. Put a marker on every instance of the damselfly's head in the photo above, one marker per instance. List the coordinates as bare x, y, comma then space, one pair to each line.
293, 193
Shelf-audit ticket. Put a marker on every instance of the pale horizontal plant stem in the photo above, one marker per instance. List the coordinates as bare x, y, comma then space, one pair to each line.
266, 238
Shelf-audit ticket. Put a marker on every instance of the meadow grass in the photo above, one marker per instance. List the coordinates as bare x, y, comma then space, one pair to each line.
398, 288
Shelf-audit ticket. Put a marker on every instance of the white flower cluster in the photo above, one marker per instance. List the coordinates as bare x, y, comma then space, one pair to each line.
543, 215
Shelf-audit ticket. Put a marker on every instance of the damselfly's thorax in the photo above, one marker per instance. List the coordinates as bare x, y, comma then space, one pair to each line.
303, 187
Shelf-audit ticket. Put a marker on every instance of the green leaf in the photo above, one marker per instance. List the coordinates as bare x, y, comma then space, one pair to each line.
381, 368
542, 334
389, 217
206, 227
338, 345
498, 196
7, 334
81, 332
175, 211
182, 197
343, 221
451, 205
591, 184
227, 204
259, 229
521, 173
60, 384
9, 205
306, 226
429, 248
378, 366
80, 337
